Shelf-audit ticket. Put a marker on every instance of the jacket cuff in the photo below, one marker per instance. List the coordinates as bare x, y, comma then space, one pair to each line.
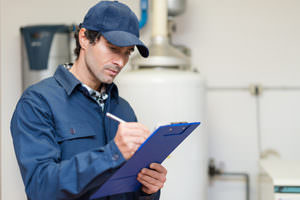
145, 196
114, 155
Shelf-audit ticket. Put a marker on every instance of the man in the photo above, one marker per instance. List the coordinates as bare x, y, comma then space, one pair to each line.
65, 146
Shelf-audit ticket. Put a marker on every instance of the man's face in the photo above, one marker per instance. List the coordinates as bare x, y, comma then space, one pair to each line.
104, 60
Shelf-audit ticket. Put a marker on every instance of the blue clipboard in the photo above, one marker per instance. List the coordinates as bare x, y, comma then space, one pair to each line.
154, 150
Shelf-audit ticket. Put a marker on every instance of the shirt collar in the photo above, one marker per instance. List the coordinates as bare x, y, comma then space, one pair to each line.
69, 82
90, 90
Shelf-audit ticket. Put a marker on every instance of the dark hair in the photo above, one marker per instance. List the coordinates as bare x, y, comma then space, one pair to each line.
92, 36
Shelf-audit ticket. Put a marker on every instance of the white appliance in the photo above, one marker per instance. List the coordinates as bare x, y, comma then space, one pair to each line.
279, 179
163, 95
59, 51
162, 89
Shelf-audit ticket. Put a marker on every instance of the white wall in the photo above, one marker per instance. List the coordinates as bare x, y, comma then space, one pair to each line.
0, 99
234, 43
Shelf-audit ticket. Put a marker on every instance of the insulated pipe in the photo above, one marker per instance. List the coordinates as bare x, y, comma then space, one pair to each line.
160, 18
144, 13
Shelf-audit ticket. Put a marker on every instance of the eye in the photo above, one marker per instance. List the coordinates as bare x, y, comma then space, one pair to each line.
113, 49
128, 53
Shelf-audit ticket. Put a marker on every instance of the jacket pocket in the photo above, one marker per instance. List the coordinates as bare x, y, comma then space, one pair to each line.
74, 131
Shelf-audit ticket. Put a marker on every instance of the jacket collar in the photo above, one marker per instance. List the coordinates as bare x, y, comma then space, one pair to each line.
66, 79
69, 82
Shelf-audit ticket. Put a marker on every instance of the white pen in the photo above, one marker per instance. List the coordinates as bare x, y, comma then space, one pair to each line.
115, 117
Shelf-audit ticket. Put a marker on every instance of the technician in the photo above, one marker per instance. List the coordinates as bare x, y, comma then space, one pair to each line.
65, 145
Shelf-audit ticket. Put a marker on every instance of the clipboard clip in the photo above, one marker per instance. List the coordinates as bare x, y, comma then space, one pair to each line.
172, 123
177, 131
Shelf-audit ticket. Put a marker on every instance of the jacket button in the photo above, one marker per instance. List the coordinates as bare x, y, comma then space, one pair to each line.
115, 157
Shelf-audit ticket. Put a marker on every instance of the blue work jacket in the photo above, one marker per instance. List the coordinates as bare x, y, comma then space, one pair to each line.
63, 141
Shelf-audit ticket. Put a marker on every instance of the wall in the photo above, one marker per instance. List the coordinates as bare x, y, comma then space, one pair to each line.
234, 43
0, 98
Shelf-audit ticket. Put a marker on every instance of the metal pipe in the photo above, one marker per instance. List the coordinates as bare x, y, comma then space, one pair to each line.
209, 88
258, 125
214, 171
245, 175
246, 88
283, 88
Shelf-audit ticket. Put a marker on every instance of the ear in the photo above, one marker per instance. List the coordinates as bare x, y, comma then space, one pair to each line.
83, 40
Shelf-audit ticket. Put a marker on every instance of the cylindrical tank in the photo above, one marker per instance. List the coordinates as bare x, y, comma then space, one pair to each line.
164, 95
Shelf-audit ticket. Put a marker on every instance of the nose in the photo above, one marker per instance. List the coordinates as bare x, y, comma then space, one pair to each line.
120, 61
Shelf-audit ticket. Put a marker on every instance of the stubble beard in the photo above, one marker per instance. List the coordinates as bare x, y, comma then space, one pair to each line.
102, 76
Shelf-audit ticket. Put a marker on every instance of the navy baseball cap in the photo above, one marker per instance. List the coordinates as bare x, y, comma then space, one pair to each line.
117, 23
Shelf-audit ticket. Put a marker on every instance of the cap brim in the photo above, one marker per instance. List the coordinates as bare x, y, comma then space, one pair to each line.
125, 39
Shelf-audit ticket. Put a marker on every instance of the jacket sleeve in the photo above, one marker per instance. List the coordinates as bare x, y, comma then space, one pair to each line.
44, 174
154, 196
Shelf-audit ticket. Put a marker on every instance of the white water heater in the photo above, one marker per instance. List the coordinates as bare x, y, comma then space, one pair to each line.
164, 95
162, 89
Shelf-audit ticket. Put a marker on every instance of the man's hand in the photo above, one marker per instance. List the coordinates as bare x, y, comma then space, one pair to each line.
129, 137
152, 179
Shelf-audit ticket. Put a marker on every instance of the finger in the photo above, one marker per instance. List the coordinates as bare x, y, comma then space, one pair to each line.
133, 143
146, 130
134, 139
135, 133
158, 167
129, 144
130, 136
153, 174
131, 148
129, 154
151, 180
148, 188
136, 125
